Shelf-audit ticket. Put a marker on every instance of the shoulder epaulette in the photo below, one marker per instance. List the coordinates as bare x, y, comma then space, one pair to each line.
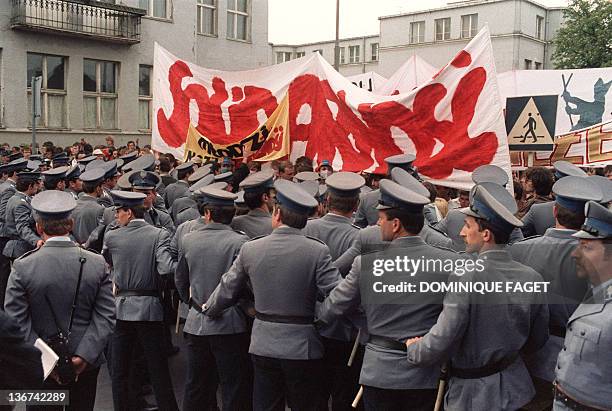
239, 232
438, 230
91, 250
28, 253
527, 238
257, 237
441, 247
316, 239
356, 226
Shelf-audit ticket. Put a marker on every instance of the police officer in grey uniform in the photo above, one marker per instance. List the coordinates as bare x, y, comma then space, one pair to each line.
138, 254
583, 374
551, 256
369, 239
259, 197
390, 383
204, 257
73, 182
145, 182
285, 346
7, 190
187, 207
540, 217
88, 212
45, 283
53, 179
186, 202
181, 187
366, 213
20, 226
336, 230
485, 335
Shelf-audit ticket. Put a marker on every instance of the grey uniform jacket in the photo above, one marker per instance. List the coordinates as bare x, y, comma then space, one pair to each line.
367, 214
254, 224
550, 255
87, 215
284, 283
180, 204
187, 214
397, 318
583, 369
138, 253
105, 199
7, 190
52, 271
474, 333
369, 240
174, 191
338, 233
159, 218
538, 219
20, 226
205, 256
182, 230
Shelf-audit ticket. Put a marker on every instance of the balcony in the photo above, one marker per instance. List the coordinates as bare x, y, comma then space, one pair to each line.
83, 18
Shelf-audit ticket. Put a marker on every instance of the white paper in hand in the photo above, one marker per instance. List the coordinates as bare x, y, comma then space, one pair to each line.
49, 357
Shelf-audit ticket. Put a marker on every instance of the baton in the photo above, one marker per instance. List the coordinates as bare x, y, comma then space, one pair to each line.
354, 351
441, 387
357, 397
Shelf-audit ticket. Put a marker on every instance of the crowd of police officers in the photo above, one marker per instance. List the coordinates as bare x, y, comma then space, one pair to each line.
274, 274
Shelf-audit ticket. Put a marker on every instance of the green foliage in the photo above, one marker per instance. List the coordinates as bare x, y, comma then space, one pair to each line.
585, 39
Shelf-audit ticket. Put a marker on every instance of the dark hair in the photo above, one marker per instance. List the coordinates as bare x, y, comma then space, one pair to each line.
541, 178
500, 236
23, 184
284, 165
568, 218
222, 215
608, 169
128, 143
292, 218
138, 211
55, 227
182, 174
164, 164
303, 163
342, 204
90, 187
254, 199
87, 149
411, 222
518, 190
433, 193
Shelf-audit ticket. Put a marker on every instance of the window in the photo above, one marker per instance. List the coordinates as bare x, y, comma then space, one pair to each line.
282, 56
299, 54
469, 26
443, 29
354, 54
207, 17
145, 97
100, 94
320, 51
417, 32
527, 64
342, 55
538, 65
238, 25
52, 69
539, 27
156, 8
374, 47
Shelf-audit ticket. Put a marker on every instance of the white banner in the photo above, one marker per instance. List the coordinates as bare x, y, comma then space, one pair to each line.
370, 81
413, 73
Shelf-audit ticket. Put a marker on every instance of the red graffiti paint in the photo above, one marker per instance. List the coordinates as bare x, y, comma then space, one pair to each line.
356, 134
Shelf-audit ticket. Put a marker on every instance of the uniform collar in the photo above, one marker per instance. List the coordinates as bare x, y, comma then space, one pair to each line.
137, 222
604, 289
258, 212
284, 229
216, 226
563, 233
408, 241
59, 238
495, 255
336, 218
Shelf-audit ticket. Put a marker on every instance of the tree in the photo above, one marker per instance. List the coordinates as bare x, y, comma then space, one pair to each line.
584, 39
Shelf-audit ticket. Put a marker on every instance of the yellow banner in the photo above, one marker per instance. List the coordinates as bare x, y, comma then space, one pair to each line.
268, 142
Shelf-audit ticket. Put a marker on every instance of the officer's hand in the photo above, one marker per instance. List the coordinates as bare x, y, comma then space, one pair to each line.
40, 243
411, 341
79, 364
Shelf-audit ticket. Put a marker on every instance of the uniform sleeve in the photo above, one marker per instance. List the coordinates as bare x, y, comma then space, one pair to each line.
4, 198
345, 261
181, 277
106, 245
23, 221
229, 288
165, 262
16, 303
529, 224
361, 219
166, 222
452, 323
345, 297
102, 322
442, 226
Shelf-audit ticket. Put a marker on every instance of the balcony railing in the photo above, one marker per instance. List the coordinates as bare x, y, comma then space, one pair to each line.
84, 18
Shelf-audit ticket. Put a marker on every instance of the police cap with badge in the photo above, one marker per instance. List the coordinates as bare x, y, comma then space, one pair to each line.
395, 196
485, 206
258, 182
144, 180
127, 199
572, 193
55, 175
402, 161
215, 197
15, 166
53, 205
94, 176
29, 176
146, 163
199, 174
73, 173
291, 196
490, 173
598, 223
565, 168
344, 184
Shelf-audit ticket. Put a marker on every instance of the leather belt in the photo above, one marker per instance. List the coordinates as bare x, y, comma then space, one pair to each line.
571, 403
387, 342
557, 331
285, 319
484, 371
137, 293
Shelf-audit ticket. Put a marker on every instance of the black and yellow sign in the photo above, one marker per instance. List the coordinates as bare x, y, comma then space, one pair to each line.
530, 122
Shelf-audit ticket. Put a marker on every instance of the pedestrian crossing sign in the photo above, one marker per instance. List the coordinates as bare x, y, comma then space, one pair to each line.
530, 122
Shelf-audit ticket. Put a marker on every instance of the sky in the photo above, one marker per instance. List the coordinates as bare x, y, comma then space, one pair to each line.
307, 21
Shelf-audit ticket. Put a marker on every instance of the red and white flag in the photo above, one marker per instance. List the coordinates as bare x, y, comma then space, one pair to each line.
453, 122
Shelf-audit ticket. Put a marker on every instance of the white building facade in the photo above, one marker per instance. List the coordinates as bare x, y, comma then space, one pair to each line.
96, 60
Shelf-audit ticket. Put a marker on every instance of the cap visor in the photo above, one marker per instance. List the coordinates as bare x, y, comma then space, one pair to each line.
382, 207
586, 236
468, 211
